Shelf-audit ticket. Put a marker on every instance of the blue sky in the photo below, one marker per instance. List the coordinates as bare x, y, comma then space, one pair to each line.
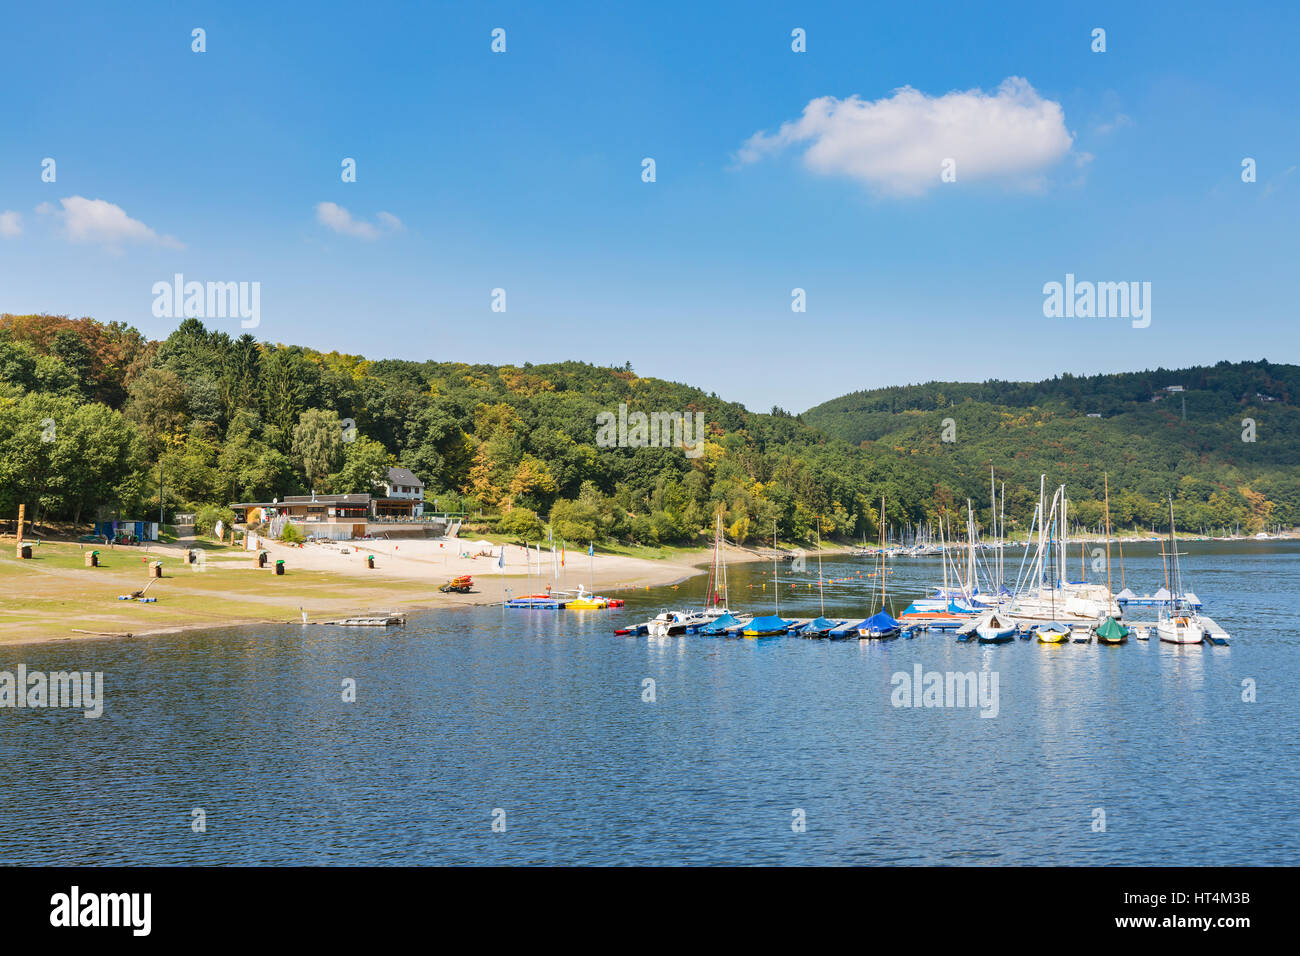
522, 171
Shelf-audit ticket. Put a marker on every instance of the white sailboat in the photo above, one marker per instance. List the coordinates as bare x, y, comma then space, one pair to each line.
1046, 594
1178, 623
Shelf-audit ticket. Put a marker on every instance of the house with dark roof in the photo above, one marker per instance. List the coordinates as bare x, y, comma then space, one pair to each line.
402, 495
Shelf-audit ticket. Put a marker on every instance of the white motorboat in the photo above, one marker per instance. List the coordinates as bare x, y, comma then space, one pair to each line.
671, 623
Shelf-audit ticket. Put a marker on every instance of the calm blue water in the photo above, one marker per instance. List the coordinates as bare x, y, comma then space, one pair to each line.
540, 714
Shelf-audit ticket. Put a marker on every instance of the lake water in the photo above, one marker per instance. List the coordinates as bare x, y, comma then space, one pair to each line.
541, 715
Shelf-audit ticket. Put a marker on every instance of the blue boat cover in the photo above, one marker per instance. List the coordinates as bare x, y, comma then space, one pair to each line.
881, 622
769, 623
817, 624
720, 625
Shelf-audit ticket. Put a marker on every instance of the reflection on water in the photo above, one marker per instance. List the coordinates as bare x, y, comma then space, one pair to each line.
540, 714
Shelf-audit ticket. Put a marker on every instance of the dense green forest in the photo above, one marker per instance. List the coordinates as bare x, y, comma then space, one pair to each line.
90, 412
1227, 445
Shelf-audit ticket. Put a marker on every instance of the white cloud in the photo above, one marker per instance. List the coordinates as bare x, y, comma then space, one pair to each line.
341, 221
898, 144
95, 220
11, 224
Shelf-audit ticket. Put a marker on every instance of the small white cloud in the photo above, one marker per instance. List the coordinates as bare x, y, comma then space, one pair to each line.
340, 220
11, 224
95, 220
897, 145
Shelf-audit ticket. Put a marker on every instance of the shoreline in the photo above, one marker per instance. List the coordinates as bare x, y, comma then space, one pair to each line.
54, 598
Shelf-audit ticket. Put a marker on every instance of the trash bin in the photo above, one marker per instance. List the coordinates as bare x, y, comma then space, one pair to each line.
156, 569
190, 557
279, 566
370, 560
261, 559
25, 551
92, 559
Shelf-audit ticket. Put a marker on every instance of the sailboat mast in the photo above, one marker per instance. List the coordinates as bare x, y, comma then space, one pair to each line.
1002, 536
776, 584
993, 517
943, 554
722, 563
1106, 482
1042, 532
1177, 589
882, 555
821, 593
970, 548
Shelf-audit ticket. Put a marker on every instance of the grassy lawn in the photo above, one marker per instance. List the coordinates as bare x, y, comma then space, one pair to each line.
54, 592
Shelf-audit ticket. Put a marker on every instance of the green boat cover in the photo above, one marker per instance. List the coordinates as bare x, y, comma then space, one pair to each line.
1112, 630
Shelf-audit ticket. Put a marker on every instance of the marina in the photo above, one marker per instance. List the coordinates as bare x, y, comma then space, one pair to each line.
973, 599
462, 710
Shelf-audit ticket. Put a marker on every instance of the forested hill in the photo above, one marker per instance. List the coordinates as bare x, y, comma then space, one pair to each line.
1149, 437
90, 412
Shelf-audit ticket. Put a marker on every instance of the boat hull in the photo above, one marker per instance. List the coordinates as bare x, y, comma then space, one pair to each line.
876, 634
1192, 634
1053, 637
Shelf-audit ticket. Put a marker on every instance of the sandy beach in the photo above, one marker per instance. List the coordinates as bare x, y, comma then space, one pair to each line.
55, 597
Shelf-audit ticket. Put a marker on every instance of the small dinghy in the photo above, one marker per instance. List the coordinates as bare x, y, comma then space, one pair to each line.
1053, 633
817, 627
994, 629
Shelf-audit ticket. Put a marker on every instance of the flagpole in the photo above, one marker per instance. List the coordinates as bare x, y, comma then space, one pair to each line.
501, 566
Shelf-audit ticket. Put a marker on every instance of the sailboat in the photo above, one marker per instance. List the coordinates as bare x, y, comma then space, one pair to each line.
880, 625
1109, 631
1178, 623
772, 625
670, 623
819, 626
716, 599
1045, 595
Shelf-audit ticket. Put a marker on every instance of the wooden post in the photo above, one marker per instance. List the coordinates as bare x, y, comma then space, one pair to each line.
22, 516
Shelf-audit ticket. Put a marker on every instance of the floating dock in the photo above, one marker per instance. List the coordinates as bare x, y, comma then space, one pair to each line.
1213, 633
384, 620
